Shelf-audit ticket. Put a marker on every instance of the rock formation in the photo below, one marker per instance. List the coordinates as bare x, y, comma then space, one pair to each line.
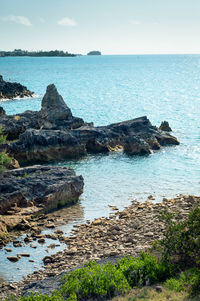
2, 111
39, 188
165, 126
54, 115
54, 134
13, 90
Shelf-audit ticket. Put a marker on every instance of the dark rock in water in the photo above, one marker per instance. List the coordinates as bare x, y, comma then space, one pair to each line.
13, 258
2, 112
13, 90
165, 126
39, 185
55, 134
54, 114
46, 146
136, 146
135, 137
53, 106
14, 125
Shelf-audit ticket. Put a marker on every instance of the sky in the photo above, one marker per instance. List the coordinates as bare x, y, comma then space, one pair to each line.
111, 26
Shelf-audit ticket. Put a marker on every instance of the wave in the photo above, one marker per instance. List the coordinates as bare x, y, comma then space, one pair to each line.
20, 98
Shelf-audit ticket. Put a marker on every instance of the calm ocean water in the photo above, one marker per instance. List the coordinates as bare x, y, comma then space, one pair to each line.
107, 89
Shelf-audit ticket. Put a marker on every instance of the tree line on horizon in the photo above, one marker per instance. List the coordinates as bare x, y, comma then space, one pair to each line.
19, 52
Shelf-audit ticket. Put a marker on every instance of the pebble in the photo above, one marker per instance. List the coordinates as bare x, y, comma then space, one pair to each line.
13, 258
135, 229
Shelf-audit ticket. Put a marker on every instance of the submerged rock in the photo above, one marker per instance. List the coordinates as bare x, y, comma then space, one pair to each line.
13, 90
41, 187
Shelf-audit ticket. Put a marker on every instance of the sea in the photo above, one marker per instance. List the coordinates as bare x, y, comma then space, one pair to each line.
112, 88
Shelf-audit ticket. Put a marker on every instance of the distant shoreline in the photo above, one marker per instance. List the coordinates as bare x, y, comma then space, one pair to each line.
85, 55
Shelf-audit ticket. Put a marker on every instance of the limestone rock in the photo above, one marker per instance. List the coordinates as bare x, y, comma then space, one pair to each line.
54, 134
46, 146
53, 106
54, 115
2, 111
41, 185
13, 258
13, 90
165, 126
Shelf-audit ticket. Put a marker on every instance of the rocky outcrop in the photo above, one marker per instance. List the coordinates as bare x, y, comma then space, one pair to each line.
2, 111
165, 126
54, 108
135, 137
54, 115
39, 187
13, 90
14, 125
55, 134
45, 146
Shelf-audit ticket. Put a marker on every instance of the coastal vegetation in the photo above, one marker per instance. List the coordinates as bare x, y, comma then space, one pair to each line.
4, 158
94, 52
41, 53
176, 266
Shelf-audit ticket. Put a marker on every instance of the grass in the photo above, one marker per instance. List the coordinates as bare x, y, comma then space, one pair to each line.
150, 294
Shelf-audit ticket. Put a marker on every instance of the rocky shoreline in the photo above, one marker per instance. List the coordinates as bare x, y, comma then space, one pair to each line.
10, 90
54, 134
126, 232
29, 191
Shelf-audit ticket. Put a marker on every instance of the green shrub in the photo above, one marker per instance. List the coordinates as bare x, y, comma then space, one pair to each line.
174, 284
181, 242
144, 269
194, 282
94, 280
188, 280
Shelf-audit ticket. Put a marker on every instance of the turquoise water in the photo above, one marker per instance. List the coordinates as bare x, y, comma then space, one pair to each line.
107, 89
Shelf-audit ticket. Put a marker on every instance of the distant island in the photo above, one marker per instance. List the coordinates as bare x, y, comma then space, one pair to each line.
41, 53
94, 52
20, 52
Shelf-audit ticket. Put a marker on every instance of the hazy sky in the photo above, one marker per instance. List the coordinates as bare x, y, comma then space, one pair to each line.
111, 26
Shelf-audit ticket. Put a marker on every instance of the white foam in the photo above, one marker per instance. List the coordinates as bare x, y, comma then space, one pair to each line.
20, 98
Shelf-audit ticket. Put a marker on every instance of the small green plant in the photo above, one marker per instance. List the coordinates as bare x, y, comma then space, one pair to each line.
4, 158
188, 280
24, 176
174, 284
